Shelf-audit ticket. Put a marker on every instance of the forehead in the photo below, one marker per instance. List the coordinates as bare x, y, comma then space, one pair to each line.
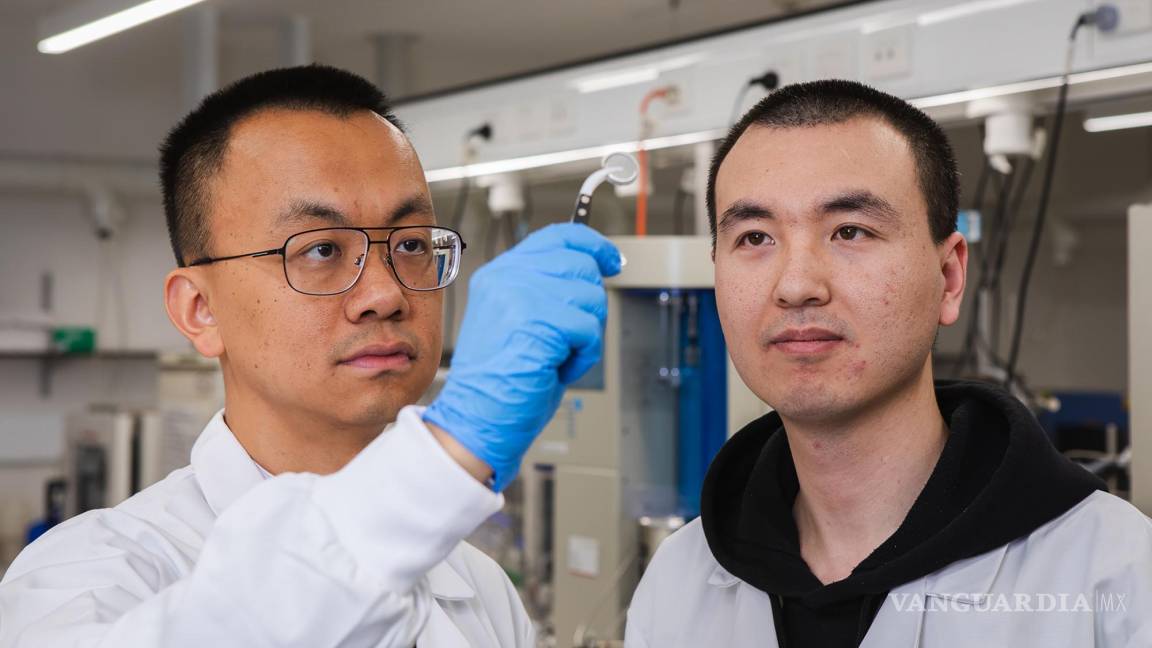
360, 164
793, 167
290, 140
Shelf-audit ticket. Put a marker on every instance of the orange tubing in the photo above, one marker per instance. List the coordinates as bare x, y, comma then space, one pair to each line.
642, 158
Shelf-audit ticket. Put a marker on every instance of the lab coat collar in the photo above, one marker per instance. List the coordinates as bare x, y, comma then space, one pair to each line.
721, 578
968, 580
447, 584
225, 471
222, 466
964, 582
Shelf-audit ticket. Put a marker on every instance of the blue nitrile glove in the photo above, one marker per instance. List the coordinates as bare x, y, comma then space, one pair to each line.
534, 323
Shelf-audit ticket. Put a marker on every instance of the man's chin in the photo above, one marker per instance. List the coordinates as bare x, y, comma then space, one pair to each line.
810, 404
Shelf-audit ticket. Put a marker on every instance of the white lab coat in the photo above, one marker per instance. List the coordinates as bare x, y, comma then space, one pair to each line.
1101, 548
215, 555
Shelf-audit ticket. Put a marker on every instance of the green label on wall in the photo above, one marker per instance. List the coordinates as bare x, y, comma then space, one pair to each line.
74, 339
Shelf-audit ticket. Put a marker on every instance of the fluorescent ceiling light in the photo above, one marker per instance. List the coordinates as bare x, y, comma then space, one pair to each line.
633, 75
968, 9
111, 24
573, 155
1118, 122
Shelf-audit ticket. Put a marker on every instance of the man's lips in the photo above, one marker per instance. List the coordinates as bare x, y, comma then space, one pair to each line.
805, 341
393, 356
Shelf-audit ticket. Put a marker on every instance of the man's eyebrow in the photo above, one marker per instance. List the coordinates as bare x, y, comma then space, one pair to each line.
300, 211
742, 210
415, 205
865, 202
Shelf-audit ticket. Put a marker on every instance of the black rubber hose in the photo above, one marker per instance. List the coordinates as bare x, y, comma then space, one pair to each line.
1038, 228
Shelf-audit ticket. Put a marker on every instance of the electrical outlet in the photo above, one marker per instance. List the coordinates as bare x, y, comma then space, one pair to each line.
888, 53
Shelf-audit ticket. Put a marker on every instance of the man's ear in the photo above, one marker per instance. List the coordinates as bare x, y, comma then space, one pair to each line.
186, 301
954, 270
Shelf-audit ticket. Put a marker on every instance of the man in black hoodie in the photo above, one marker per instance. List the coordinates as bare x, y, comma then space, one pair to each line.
833, 210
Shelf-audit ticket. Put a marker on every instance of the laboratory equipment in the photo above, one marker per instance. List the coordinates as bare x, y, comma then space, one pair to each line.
618, 168
98, 458
111, 452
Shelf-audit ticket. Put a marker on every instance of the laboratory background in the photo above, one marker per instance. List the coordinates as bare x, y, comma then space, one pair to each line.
511, 105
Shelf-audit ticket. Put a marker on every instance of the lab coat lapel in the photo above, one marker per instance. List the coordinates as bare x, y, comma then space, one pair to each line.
447, 587
447, 584
900, 621
755, 628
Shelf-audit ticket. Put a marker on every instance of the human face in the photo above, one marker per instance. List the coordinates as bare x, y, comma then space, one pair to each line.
353, 359
829, 286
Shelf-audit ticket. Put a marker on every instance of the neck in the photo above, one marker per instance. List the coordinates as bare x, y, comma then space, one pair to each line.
286, 439
859, 477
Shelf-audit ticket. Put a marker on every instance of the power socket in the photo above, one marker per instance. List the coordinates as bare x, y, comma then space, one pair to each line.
888, 53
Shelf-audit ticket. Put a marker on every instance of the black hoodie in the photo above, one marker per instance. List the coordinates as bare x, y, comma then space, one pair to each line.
997, 479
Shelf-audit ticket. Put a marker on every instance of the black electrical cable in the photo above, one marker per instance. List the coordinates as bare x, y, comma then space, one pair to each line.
738, 104
999, 232
769, 81
1027, 165
1100, 16
1034, 244
991, 281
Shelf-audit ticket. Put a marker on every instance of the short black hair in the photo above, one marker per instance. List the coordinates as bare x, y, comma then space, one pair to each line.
194, 150
834, 101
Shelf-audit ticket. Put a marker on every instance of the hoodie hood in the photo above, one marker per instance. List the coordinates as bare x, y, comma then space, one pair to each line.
998, 479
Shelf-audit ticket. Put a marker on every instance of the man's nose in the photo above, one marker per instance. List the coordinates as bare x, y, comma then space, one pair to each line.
377, 294
801, 278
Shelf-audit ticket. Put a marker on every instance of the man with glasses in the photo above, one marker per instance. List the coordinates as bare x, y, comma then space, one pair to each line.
311, 265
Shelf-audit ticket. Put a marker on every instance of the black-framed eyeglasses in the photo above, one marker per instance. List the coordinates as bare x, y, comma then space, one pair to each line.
330, 260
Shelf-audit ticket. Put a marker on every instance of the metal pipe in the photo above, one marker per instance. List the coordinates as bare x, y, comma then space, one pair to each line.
296, 41
201, 55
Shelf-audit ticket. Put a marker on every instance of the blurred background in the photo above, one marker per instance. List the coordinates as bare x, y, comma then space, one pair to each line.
511, 104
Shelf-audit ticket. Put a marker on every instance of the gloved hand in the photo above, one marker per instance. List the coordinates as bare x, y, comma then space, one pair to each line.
534, 323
